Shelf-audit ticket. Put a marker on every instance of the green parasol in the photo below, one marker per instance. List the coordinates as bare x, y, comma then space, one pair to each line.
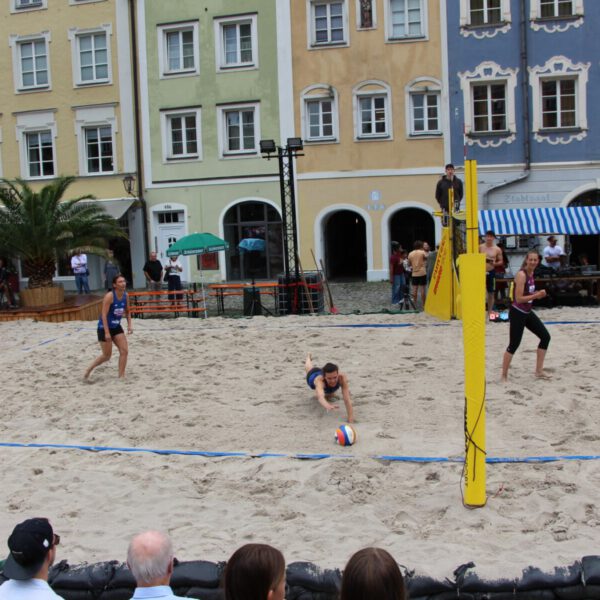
197, 243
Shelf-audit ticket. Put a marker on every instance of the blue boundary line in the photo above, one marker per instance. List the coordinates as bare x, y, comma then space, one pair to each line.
301, 456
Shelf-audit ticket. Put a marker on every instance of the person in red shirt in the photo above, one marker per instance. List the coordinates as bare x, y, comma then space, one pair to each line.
397, 278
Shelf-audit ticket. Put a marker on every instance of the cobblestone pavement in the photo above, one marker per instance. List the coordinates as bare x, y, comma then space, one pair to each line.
351, 297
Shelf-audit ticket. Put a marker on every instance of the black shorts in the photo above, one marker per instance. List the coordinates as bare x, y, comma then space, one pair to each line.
113, 333
490, 281
422, 280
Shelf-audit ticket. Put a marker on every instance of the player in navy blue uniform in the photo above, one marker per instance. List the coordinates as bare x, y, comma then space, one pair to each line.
326, 381
114, 307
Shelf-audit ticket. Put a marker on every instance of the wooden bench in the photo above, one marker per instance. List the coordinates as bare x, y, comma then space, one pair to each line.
158, 302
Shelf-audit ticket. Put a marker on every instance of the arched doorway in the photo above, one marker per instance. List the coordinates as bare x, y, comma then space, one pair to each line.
346, 246
254, 232
410, 224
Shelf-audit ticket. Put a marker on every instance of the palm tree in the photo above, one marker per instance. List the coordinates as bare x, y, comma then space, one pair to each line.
39, 227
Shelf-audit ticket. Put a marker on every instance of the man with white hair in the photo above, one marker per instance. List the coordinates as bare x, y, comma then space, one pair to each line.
150, 559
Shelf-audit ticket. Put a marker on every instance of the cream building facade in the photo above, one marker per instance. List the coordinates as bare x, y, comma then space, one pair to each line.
67, 109
369, 102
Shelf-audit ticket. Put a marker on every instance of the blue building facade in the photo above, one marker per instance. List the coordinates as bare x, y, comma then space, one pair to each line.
523, 79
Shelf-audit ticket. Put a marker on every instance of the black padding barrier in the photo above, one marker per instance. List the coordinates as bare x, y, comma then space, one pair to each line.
306, 581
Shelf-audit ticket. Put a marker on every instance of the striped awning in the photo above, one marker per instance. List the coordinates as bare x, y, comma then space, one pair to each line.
579, 220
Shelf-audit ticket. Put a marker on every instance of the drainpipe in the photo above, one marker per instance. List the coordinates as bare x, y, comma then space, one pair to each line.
526, 115
136, 116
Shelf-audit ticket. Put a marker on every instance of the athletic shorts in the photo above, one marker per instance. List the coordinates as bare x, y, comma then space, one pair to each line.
422, 280
113, 332
490, 281
311, 376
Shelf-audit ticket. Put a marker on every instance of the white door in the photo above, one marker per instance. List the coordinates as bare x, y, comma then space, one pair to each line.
167, 236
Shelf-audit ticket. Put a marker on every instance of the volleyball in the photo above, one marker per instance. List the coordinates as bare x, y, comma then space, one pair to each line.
345, 435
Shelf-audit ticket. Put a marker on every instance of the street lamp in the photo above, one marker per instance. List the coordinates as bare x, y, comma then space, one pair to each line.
129, 184
285, 156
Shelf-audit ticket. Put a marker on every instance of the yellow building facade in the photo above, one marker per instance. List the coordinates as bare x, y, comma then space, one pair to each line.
67, 108
369, 103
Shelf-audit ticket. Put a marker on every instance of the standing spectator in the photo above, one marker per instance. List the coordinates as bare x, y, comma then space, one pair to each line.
255, 572
153, 272
552, 254
372, 573
172, 268
501, 285
32, 546
447, 182
397, 273
150, 559
79, 267
493, 258
111, 270
5, 284
417, 260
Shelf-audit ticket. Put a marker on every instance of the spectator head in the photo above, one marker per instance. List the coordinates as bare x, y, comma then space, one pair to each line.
449, 168
426, 247
418, 245
490, 236
551, 240
372, 573
255, 572
32, 546
396, 247
150, 558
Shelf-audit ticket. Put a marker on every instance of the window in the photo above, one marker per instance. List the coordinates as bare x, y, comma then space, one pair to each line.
239, 131
28, 3
178, 49
485, 12
558, 103
556, 8
425, 111
181, 134
40, 154
34, 64
99, 149
95, 128
489, 107
372, 113
558, 95
319, 113
328, 22
405, 18
236, 42
489, 104
93, 57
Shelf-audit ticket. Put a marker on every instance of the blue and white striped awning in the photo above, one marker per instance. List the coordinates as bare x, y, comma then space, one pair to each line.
579, 220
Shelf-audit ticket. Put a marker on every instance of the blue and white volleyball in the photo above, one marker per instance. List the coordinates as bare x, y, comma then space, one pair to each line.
345, 435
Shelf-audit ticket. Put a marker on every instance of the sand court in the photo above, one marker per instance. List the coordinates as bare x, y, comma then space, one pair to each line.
221, 385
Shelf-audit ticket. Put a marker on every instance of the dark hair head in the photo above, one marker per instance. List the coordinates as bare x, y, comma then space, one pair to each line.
117, 276
252, 571
418, 244
330, 368
449, 166
490, 232
372, 573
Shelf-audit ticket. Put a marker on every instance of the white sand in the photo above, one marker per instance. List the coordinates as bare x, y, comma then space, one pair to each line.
238, 385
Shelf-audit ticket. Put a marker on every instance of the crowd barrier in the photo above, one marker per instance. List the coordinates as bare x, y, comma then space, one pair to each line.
306, 581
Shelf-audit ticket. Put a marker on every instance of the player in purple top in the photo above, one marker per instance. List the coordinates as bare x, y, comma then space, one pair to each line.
522, 316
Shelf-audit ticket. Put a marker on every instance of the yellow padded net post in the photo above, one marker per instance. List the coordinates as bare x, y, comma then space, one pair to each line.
471, 268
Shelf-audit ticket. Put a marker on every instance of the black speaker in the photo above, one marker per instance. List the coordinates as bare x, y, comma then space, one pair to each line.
252, 305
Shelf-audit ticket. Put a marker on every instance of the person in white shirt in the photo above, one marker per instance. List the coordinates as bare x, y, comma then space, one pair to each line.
553, 253
150, 560
173, 268
80, 270
32, 546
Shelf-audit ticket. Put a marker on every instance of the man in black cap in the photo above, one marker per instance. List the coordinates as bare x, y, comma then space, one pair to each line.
447, 182
32, 546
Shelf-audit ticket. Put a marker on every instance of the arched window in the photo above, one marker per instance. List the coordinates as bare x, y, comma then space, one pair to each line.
372, 110
320, 119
